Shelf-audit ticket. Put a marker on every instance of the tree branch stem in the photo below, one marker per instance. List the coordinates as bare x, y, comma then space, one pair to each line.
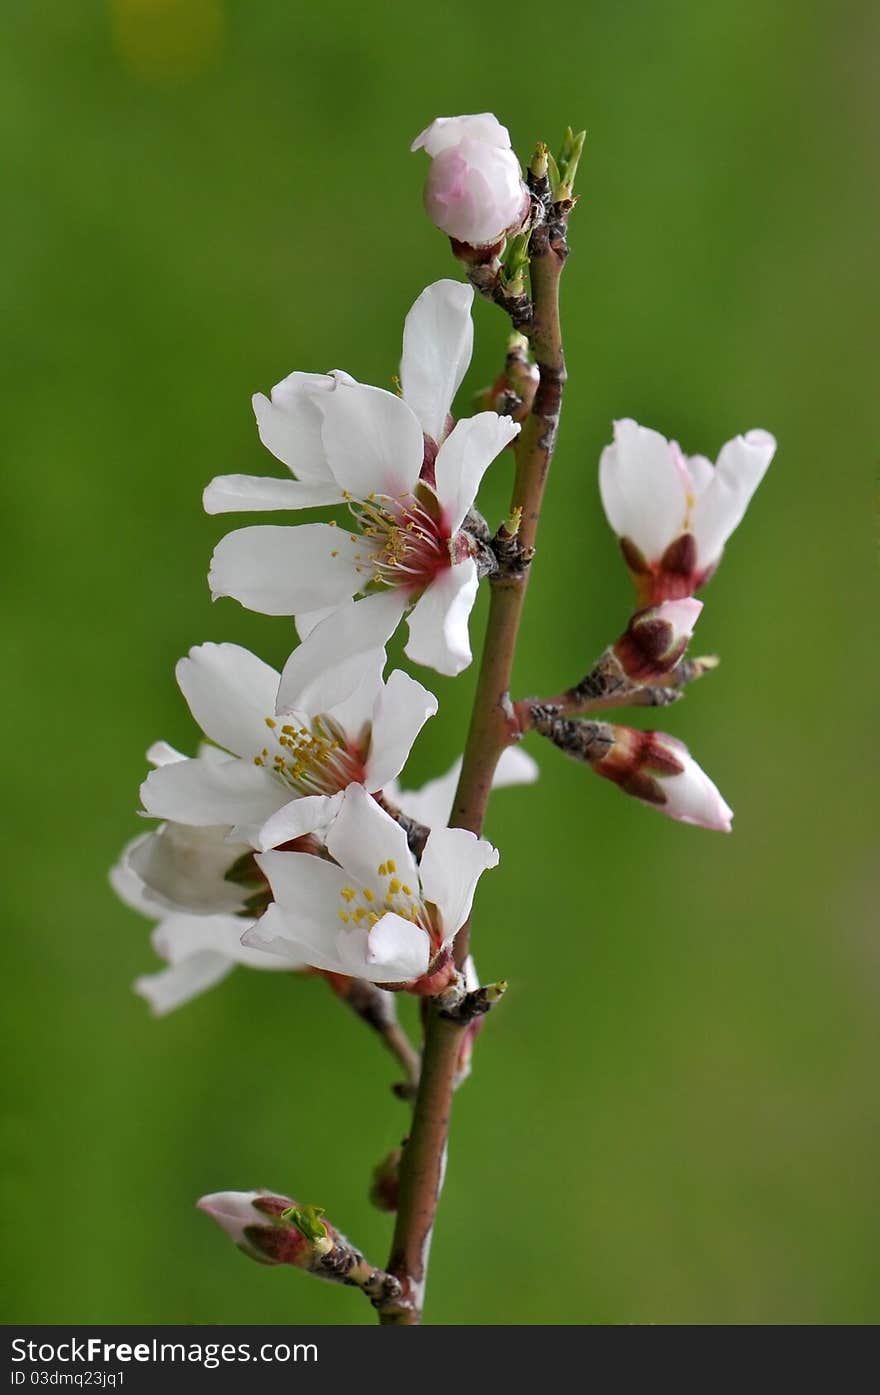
492, 728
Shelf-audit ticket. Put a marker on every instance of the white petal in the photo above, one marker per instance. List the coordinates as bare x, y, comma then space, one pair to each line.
290, 424
430, 805
333, 660
397, 950
172, 987
644, 492
308, 899
160, 753
741, 466
202, 792
230, 692
692, 797
362, 836
307, 620
451, 866
128, 885
311, 814
373, 441
438, 624
464, 458
515, 767
178, 937
445, 131
438, 339
184, 869
402, 708
275, 936
251, 494
280, 571
700, 470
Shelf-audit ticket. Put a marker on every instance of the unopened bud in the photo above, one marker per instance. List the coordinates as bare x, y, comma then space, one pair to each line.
656, 638
474, 191
273, 1229
660, 771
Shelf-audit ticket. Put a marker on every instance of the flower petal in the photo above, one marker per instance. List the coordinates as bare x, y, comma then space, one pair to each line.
451, 866
363, 836
445, 131
184, 868
515, 767
464, 458
280, 571
230, 692
438, 339
275, 935
128, 885
333, 660
373, 441
178, 937
204, 792
719, 509
251, 494
397, 950
438, 623
172, 987
311, 814
402, 707
290, 423
161, 753
643, 490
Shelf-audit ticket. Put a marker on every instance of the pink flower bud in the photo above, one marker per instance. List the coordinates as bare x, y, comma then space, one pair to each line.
659, 770
474, 191
656, 638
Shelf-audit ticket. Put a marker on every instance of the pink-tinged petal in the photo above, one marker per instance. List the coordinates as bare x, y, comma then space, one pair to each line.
446, 131
691, 797
204, 793
719, 509
474, 192
170, 988
451, 866
230, 692
311, 814
402, 708
251, 494
644, 492
373, 441
438, 338
362, 837
290, 423
681, 615
234, 1212
281, 571
438, 623
338, 653
464, 458
397, 950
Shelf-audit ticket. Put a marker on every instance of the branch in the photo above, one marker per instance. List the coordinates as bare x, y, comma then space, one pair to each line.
492, 728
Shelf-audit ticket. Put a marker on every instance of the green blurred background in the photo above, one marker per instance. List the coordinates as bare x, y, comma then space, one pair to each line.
673, 1117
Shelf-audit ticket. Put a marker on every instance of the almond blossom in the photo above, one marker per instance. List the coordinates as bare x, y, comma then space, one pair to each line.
660, 771
199, 950
674, 513
281, 775
372, 912
474, 191
408, 476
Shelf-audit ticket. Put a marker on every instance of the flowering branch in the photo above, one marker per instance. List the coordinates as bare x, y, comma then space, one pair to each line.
492, 729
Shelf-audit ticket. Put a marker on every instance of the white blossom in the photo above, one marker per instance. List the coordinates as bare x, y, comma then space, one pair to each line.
372, 912
407, 478
674, 513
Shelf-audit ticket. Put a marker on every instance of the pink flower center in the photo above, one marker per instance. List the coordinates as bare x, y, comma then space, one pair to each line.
312, 759
408, 541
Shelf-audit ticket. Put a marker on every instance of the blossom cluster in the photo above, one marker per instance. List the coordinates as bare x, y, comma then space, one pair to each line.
287, 842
